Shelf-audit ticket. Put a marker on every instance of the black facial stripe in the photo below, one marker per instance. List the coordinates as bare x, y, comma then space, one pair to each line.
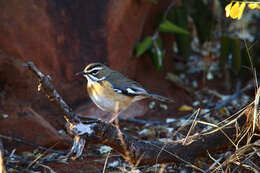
92, 77
94, 66
95, 78
94, 72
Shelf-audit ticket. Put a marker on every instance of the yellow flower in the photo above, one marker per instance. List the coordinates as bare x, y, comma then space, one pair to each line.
235, 11
253, 6
227, 9
241, 10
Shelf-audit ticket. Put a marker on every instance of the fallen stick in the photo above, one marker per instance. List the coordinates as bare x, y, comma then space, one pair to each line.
152, 152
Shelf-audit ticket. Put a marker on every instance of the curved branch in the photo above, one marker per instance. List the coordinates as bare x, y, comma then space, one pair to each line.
52, 94
151, 152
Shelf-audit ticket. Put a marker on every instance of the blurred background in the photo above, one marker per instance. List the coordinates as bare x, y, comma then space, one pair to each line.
186, 50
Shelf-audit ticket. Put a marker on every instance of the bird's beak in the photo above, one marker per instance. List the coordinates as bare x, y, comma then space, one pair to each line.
81, 73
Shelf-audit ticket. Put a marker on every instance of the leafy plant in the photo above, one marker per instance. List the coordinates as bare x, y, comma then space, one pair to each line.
144, 45
153, 44
167, 26
175, 21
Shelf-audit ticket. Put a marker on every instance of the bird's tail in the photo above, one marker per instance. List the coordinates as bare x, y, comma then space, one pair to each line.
160, 98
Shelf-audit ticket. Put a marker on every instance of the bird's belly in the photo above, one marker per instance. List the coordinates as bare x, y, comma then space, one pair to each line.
106, 99
104, 103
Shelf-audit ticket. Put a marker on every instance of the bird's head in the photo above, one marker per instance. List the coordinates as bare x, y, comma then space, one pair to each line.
95, 72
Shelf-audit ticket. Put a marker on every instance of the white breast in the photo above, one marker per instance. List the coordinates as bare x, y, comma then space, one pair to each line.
104, 103
102, 97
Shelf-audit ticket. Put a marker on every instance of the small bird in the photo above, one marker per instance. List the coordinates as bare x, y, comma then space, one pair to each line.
111, 91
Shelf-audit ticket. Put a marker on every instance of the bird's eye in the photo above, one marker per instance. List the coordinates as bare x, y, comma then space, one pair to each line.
94, 72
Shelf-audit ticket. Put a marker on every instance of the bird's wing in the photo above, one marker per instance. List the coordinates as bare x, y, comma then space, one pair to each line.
129, 90
123, 85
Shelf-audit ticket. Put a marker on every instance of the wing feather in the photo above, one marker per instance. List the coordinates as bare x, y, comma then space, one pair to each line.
129, 90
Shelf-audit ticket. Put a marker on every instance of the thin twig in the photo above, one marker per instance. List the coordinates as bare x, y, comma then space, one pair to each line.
53, 95
156, 33
173, 2
105, 164
192, 127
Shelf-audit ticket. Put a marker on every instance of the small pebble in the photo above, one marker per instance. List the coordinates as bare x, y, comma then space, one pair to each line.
104, 149
163, 106
170, 120
166, 140
210, 76
113, 164
170, 129
5, 116
61, 132
147, 132
196, 103
152, 105
182, 76
194, 84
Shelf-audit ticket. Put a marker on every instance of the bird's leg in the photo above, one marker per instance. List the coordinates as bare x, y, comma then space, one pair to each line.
116, 113
114, 117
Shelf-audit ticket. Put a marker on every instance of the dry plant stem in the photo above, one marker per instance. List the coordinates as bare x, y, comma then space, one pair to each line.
151, 152
53, 95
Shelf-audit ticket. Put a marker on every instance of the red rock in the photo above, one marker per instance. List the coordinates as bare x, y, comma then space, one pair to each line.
61, 37
32, 127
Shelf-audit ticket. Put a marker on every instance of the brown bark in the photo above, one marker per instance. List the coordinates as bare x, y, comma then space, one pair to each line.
152, 152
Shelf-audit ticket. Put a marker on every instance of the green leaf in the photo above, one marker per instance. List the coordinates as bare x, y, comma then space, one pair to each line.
143, 46
167, 26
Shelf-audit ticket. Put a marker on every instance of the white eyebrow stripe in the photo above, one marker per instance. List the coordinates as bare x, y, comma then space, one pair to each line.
95, 68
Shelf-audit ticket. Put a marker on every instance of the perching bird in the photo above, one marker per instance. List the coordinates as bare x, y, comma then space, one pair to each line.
113, 92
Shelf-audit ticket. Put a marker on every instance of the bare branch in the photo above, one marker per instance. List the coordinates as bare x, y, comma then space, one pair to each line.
53, 95
151, 152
